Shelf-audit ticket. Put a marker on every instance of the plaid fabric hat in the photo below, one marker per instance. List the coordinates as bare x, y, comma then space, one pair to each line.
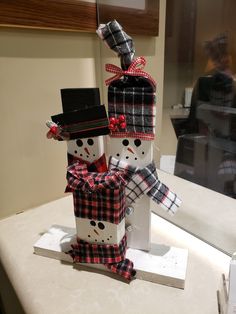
133, 100
145, 181
116, 39
82, 116
98, 196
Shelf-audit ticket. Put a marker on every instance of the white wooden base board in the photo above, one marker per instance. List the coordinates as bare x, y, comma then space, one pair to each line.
163, 264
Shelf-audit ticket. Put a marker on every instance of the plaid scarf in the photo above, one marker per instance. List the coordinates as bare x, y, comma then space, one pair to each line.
116, 39
99, 196
99, 165
112, 256
145, 180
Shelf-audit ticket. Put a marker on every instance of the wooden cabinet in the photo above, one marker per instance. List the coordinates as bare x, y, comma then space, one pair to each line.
70, 15
76, 15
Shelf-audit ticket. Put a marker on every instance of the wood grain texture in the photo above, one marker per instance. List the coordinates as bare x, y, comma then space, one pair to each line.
134, 21
71, 15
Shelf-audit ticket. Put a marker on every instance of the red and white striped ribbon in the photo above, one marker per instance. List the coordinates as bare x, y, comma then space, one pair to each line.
135, 69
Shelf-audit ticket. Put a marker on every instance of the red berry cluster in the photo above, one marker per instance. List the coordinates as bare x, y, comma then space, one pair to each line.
54, 129
116, 124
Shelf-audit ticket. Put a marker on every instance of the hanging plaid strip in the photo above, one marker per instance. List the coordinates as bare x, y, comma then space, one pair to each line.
112, 256
116, 39
99, 165
99, 196
124, 268
145, 181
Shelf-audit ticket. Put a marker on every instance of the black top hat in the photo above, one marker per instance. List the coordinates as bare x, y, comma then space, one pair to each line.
82, 116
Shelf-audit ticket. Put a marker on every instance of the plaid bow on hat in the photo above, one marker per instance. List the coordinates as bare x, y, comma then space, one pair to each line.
145, 180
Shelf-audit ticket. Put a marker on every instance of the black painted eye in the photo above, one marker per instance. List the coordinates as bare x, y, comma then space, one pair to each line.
90, 141
101, 226
125, 142
79, 143
137, 142
92, 223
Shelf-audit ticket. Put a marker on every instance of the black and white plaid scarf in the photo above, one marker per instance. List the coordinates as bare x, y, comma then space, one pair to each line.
116, 39
145, 180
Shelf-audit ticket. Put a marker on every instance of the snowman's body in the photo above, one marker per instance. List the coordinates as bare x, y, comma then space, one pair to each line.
138, 153
92, 231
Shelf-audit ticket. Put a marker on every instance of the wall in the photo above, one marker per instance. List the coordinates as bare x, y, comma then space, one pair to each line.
35, 65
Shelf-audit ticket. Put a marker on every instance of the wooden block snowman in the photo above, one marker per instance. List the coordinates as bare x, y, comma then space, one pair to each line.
83, 125
132, 110
98, 194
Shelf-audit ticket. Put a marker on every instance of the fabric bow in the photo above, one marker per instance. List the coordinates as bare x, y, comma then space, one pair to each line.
79, 178
135, 69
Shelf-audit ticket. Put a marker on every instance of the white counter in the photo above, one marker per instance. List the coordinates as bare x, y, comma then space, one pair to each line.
45, 285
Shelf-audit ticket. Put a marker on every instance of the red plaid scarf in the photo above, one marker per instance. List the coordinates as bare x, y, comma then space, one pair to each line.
99, 165
112, 256
99, 196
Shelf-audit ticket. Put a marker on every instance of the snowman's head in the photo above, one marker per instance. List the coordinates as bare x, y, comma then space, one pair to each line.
100, 232
133, 150
88, 149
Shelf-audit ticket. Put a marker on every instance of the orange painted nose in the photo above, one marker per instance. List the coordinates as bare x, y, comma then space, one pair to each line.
87, 151
130, 150
96, 232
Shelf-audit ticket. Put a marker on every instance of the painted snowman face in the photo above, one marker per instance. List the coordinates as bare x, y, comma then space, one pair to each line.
88, 149
101, 232
135, 151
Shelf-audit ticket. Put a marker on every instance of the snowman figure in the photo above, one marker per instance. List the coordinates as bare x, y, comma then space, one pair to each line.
83, 125
132, 110
98, 194
99, 207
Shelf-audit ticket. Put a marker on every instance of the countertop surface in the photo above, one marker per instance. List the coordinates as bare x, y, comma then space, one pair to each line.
45, 285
